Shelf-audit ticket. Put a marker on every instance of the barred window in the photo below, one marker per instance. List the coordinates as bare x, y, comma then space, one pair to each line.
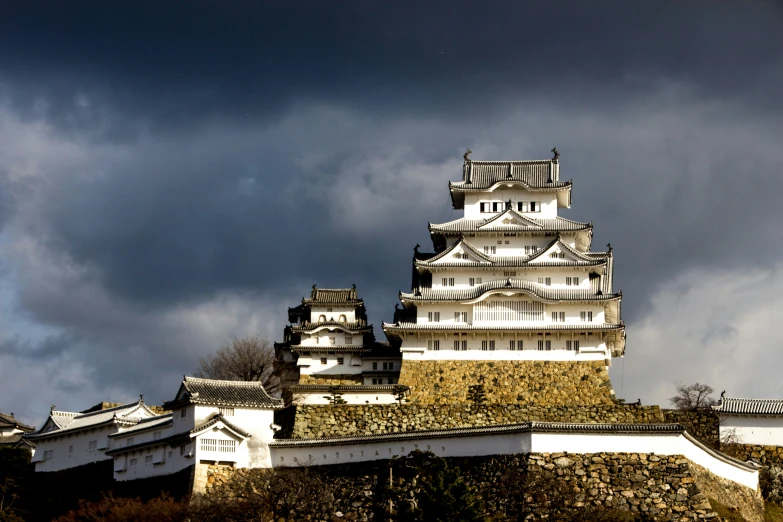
488, 345
147, 459
572, 281
92, 445
490, 249
448, 281
544, 345
433, 345
558, 317
515, 345
340, 360
348, 339
460, 317
474, 281
586, 316
509, 274
219, 445
546, 281
433, 317
226, 412
572, 345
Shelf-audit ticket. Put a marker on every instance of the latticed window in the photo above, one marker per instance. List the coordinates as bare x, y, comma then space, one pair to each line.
586, 316
348, 339
433, 317
219, 445
226, 412
515, 345
448, 281
558, 317
433, 345
546, 281
572, 281
509, 274
544, 345
460, 317
490, 249
572, 345
474, 281
508, 311
488, 345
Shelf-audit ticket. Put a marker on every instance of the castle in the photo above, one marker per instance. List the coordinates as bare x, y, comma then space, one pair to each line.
501, 346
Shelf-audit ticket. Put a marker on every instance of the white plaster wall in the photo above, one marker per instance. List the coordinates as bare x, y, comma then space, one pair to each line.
311, 364
332, 313
173, 460
557, 277
10, 430
241, 457
350, 398
63, 458
322, 338
447, 311
502, 195
468, 446
765, 431
255, 421
417, 352
520, 239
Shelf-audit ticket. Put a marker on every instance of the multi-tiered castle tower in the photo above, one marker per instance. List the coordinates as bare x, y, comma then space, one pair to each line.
512, 304
333, 351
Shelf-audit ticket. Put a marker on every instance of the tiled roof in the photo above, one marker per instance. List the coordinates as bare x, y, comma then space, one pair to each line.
522, 427
7, 421
480, 176
332, 296
354, 327
214, 420
9, 440
544, 293
521, 328
146, 424
127, 414
494, 224
195, 390
750, 406
486, 261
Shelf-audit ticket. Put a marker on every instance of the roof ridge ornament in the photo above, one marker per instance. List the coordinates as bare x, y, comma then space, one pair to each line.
465, 156
556, 154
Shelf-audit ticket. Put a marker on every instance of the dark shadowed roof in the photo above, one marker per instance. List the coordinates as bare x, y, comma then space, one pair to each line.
750, 406
194, 390
9, 421
326, 296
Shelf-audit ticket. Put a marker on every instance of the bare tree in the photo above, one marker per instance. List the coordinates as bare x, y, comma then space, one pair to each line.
244, 359
693, 397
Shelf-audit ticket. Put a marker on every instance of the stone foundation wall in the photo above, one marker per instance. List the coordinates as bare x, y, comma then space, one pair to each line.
703, 424
207, 475
332, 379
771, 475
313, 421
508, 382
556, 486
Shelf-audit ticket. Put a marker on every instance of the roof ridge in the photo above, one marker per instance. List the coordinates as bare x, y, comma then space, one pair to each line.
113, 408
223, 381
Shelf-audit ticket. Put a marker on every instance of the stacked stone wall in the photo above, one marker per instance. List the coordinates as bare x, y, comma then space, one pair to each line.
348, 420
507, 382
702, 424
771, 457
332, 380
208, 475
556, 486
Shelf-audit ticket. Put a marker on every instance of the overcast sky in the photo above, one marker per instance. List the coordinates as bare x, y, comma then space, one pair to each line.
173, 175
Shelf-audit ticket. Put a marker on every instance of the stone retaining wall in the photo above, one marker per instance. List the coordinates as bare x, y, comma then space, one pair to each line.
346, 420
507, 382
209, 475
547, 486
771, 457
702, 424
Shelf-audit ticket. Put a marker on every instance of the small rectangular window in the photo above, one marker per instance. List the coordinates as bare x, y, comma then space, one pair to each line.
147, 459
375, 366
533, 206
384, 366
133, 462
456, 345
389, 381
496, 207
488, 345
520, 206
586, 316
340, 360
227, 412
183, 413
500, 242
460, 317
464, 346
323, 360
448, 281
433, 317
391, 365
433, 345
544, 345
93, 445
490, 249
482, 207
572, 345
70, 450
508, 242
509, 274
156, 435
375, 381
48, 454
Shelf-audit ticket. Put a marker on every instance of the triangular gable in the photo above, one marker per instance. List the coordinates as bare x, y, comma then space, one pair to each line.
565, 254
218, 422
460, 252
510, 218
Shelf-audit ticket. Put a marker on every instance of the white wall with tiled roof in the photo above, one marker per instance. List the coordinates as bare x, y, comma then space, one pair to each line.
763, 430
547, 202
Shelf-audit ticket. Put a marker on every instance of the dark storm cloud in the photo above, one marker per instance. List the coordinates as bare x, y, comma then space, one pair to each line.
170, 177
